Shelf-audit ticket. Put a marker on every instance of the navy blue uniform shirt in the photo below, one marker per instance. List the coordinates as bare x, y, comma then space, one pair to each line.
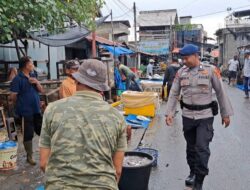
28, 100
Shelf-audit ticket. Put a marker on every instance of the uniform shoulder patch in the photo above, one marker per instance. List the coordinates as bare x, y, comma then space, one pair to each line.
217, 72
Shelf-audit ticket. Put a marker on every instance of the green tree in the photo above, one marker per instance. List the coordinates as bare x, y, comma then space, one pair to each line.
18, 17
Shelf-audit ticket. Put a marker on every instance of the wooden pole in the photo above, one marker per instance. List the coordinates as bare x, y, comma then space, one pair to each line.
94, 36
135, 28
93, 44
112, 28
17, 49
113, 37
170, 40
48, 64
109, 82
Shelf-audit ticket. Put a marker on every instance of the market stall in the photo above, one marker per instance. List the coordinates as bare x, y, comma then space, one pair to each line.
51, 93
139, 110
154, 84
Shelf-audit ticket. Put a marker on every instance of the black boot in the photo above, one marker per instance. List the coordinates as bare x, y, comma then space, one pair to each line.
198, 183
190, 179
29, 151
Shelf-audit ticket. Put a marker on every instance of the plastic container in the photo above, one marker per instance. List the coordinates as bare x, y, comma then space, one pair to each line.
152, 152
140, 103
136, 178
148, 111
8, 155
3, 135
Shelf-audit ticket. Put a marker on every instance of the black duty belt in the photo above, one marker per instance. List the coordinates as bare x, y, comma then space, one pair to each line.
213, 105
196, 107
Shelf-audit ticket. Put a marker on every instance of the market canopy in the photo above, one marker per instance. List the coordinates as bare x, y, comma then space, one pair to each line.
68, 36
118, 50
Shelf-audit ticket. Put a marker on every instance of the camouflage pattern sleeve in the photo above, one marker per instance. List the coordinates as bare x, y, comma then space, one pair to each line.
226, 108
122, 141
45, 137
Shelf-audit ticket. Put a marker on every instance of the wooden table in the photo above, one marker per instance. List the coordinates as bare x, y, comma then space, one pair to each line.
49, 92
138, 134
4, 85
50, 82
5, 95
43, 82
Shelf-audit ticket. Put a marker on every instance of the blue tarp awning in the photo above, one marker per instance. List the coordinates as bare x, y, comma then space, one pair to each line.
117, 50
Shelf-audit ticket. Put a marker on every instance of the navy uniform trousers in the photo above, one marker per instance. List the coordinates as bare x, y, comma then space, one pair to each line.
198, 134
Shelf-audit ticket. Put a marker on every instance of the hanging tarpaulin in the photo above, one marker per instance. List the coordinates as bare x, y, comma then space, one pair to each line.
68, 36
117, 51
127, 51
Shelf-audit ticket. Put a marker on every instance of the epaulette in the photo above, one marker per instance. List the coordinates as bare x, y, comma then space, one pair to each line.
206, 64
184, 68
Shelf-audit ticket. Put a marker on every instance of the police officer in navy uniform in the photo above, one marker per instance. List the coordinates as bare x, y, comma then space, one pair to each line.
196, 81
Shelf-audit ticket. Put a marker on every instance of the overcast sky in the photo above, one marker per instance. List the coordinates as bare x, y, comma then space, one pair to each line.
195, 8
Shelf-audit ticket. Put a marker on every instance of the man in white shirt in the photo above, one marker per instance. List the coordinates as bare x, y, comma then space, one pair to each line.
246, 72
150, 68
233, 66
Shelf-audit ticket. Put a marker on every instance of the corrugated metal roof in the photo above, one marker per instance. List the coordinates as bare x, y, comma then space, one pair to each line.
157, 18
102, 40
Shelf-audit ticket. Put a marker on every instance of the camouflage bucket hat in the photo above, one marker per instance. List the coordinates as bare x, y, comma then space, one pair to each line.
92, 73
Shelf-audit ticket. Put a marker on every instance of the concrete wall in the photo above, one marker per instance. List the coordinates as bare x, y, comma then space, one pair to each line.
185, 20
228, 46
38, 52
105, 31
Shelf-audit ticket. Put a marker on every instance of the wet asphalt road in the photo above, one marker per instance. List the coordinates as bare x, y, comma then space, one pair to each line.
229, 163
230, 152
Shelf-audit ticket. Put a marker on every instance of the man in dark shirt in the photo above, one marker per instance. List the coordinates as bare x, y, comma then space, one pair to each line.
25, 90
170, 74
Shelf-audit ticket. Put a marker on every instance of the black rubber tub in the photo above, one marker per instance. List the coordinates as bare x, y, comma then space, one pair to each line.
137, 177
